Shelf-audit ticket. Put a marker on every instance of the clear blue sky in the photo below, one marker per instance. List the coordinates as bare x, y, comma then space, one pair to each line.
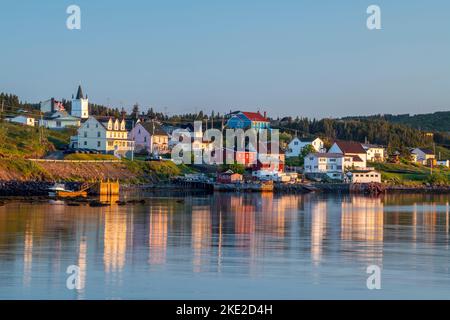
311, 58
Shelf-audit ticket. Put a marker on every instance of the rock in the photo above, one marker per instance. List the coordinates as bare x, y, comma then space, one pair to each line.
73, 204
96, 203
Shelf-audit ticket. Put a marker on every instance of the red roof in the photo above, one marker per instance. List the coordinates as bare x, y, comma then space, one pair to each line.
255, 116
350, 146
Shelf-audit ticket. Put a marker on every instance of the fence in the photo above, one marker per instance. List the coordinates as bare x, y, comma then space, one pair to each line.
75, 161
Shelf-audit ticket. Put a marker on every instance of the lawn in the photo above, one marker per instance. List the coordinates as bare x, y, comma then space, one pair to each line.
83, 156
412, 173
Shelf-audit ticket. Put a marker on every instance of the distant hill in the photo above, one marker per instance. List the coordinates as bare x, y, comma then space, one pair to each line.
438, 121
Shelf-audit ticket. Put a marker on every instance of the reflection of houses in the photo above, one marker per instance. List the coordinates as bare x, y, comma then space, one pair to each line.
27, 255
114, 241
362, 219
158, 235
201, 235
82, 263
318, 229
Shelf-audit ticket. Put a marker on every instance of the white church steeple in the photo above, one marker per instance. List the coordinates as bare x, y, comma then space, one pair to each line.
80, 105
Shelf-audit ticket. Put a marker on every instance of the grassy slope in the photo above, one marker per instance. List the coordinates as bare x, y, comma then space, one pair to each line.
82, 156
18, 143
409, 174
21, 141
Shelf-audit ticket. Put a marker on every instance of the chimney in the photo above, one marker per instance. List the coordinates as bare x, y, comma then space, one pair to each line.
265, 114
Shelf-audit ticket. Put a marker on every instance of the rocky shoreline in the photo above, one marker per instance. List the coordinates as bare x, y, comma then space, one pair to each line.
40, 188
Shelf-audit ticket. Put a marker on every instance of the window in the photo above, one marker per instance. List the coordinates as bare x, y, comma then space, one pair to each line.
99, 144
296, 143
145, 139
85, 134
87, 125
85, 143
98, 134
332, 160
96, 125
139, 131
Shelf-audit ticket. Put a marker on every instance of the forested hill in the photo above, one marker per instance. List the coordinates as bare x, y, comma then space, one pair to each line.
438, 121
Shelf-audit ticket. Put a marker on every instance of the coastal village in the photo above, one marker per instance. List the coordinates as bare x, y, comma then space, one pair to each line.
303, 162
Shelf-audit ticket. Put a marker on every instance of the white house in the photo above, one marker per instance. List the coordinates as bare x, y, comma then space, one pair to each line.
106, 135
375, 153
59, 120
296, 146
331, 164
80, 105
422, 155
445, 163
25, 120
364, 176
351, 149
51, 105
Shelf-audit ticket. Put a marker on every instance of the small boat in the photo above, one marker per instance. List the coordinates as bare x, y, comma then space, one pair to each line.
59, 190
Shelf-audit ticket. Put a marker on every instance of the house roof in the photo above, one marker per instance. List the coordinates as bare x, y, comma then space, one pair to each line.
60, 115
103, 120
327, 155
153, 128
311, 139
350, 146
369, 146
426, 151
255, 116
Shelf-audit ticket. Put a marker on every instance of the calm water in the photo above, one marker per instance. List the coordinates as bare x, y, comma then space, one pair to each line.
229, 246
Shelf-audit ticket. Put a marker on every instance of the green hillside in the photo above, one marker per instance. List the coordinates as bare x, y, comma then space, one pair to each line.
437, 121
19, 141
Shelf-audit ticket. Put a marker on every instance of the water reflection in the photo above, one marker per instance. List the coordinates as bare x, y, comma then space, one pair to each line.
263, 236
114, 240
158, 235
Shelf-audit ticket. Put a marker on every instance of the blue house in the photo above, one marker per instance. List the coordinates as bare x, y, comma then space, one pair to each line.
247, 120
